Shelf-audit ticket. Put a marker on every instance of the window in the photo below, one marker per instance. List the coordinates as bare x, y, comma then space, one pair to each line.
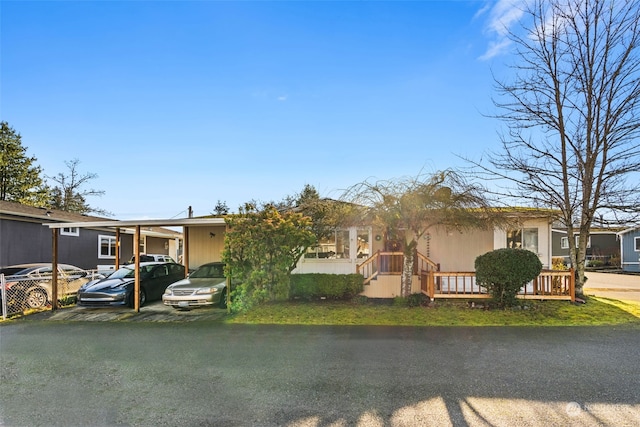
69, 231
364, 248
588, 241
564, 242
636, 241
106, 247
335, 246
526, 238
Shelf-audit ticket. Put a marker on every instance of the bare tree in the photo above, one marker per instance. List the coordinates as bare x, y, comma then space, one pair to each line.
409, 207
69, 196
572, 115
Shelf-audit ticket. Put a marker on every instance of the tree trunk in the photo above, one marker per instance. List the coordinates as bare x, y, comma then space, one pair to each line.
581, 251
407, 274
578, 255
407, 268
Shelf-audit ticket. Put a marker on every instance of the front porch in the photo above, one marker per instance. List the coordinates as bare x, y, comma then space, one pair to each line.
382, 274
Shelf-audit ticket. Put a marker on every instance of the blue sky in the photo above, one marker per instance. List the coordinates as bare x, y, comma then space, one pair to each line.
183, 103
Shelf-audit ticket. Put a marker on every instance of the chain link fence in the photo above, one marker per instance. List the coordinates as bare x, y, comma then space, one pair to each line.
20, 294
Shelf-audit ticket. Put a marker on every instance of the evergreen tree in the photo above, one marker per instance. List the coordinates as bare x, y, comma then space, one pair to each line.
20, 178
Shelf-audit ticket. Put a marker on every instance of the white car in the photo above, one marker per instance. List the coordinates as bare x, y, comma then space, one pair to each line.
152, 258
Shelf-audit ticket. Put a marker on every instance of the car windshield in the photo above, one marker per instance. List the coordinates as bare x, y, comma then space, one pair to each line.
209, 271
11, 271
123, 273
128, 272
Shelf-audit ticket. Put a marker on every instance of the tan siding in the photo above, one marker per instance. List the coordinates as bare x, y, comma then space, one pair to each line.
377, 245
383, 287
454, 250
388, 286
155, 245
205, 247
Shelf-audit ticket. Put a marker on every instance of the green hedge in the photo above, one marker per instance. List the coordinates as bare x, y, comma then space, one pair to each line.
330, 286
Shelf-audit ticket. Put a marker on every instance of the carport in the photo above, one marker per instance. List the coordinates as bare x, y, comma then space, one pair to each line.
134, 227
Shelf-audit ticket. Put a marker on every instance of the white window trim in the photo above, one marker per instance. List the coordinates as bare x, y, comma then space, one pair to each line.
111, 239
636, 244
564, 242
362, 230
588, 242
349, 241
70, 231
522, 236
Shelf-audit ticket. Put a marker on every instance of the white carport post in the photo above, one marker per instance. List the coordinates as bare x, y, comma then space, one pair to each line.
136, 285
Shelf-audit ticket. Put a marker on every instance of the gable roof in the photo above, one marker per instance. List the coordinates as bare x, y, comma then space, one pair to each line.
46, 216
629, 230
17, 209
592, 231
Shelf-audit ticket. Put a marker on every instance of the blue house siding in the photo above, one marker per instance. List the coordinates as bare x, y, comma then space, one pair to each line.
630, 256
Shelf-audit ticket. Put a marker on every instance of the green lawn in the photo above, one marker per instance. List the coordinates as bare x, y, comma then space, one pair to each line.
597, 312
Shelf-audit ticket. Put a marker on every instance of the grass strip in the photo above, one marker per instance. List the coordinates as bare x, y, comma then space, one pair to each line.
597, 312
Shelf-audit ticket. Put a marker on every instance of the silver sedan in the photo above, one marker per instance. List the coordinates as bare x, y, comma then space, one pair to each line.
206, 286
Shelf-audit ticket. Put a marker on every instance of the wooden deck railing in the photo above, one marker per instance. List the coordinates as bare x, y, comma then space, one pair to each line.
391, 263
550, 284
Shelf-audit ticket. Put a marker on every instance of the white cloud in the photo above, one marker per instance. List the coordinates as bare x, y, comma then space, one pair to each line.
495, 48
282, 98
482, 11
504, 14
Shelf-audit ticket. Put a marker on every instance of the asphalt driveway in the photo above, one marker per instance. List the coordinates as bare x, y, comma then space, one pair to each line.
625, 287
154, 311
211, 374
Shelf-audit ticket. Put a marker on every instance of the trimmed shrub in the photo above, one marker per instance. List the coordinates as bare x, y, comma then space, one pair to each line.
418, 300
504, 271
331, 286
360, 300
400, 302
595, 263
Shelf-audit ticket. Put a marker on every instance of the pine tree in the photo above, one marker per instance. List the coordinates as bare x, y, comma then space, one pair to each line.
20, 178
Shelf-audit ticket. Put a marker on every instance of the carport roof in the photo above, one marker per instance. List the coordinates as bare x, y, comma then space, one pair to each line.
184, 222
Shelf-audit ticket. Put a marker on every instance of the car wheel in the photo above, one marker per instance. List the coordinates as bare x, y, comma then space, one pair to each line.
223, 298
141, 300
36, 298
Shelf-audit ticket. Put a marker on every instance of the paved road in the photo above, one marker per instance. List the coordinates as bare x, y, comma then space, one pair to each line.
76, 373
624, 287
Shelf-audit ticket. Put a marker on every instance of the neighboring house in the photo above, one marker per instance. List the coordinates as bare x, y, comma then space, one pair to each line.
602, 245
630, 249
24, 239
